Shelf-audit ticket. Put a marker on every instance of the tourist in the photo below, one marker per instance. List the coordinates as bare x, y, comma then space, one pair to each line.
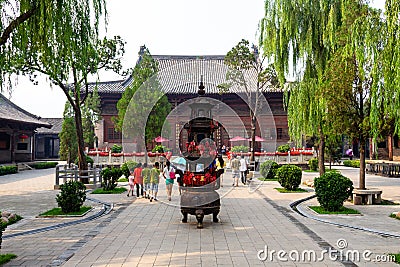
154, 180
179, 178
169, 176
220, 164
243, 169
137, 173
235, 164
146, 181
131, 183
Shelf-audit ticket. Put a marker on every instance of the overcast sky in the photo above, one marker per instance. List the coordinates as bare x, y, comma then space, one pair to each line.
173, 27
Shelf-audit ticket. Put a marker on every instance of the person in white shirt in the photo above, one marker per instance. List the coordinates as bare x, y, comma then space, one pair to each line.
243, 169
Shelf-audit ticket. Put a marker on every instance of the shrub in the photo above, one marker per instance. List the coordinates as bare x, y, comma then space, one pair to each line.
313, 164
89, 160
72, 196
110, 178
128, 167
283, 148
240, 149
116, 149
289, 176
8, 170
268, 169
352, 163
43, 165
332, 189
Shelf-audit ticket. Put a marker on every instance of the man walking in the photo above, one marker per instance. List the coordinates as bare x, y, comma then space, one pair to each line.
235, 164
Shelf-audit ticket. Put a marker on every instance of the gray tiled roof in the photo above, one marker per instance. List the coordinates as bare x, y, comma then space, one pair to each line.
108, 87
56, 126
182, 75
11, 112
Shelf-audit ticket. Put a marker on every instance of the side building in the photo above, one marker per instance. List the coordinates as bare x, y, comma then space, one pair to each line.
17, 128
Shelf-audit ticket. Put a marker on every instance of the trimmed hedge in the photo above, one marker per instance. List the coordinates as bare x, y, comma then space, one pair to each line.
4, 170
289, 176
283, 148
268, 169
44, 165
332, 189
352, 163
313, 164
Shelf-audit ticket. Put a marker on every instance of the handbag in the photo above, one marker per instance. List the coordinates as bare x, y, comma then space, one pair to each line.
172, 175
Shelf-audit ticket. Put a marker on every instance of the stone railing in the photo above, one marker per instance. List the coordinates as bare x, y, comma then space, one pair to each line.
67, 172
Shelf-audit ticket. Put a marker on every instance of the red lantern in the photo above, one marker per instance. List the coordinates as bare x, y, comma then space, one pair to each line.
22, 137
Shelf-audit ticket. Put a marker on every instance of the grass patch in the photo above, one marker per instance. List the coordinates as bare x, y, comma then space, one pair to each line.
297, 190
117, 190
342, 210
394, 216
121, 180
4, 258
310, 171
326, 170
58, 212
266, 179
396, 257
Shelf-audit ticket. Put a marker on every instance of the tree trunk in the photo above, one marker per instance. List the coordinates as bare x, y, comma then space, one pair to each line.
82, 164
321, 154
390, 147
253, 138
362, 164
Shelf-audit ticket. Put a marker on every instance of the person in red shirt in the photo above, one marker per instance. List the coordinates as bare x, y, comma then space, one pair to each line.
138, 179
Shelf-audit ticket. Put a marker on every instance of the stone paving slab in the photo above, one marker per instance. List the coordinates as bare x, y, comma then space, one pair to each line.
140, 233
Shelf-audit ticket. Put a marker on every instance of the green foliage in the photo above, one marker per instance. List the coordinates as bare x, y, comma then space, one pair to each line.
72, 196
332, 189
240, 149
160, 149
89, 160
43, 165
68, 140
116, 148
143, 106
268, 169
4, 258
123, 180
313, 164
128, 167
289, 176
284, 190
110, 178
4, 170
352, 163
283, 148
117, 190
342, 210
59, 212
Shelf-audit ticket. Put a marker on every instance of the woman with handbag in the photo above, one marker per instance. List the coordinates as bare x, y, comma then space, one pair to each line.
169, 176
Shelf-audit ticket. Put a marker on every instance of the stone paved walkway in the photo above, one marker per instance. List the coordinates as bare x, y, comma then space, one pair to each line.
140, 233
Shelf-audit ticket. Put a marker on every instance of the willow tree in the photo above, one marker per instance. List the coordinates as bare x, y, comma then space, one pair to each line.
300, 34
45, 26
248, 73
385, 92
60, 40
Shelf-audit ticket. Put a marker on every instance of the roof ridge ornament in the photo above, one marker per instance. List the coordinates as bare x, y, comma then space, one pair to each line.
201, 90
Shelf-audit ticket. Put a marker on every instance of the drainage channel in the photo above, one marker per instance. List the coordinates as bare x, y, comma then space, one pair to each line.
106, 209
294, 206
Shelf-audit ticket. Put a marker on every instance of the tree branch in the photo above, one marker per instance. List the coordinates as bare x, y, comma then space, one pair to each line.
15, 23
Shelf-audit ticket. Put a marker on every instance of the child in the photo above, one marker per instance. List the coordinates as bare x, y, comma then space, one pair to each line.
146, 181
154, 180
131, 183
